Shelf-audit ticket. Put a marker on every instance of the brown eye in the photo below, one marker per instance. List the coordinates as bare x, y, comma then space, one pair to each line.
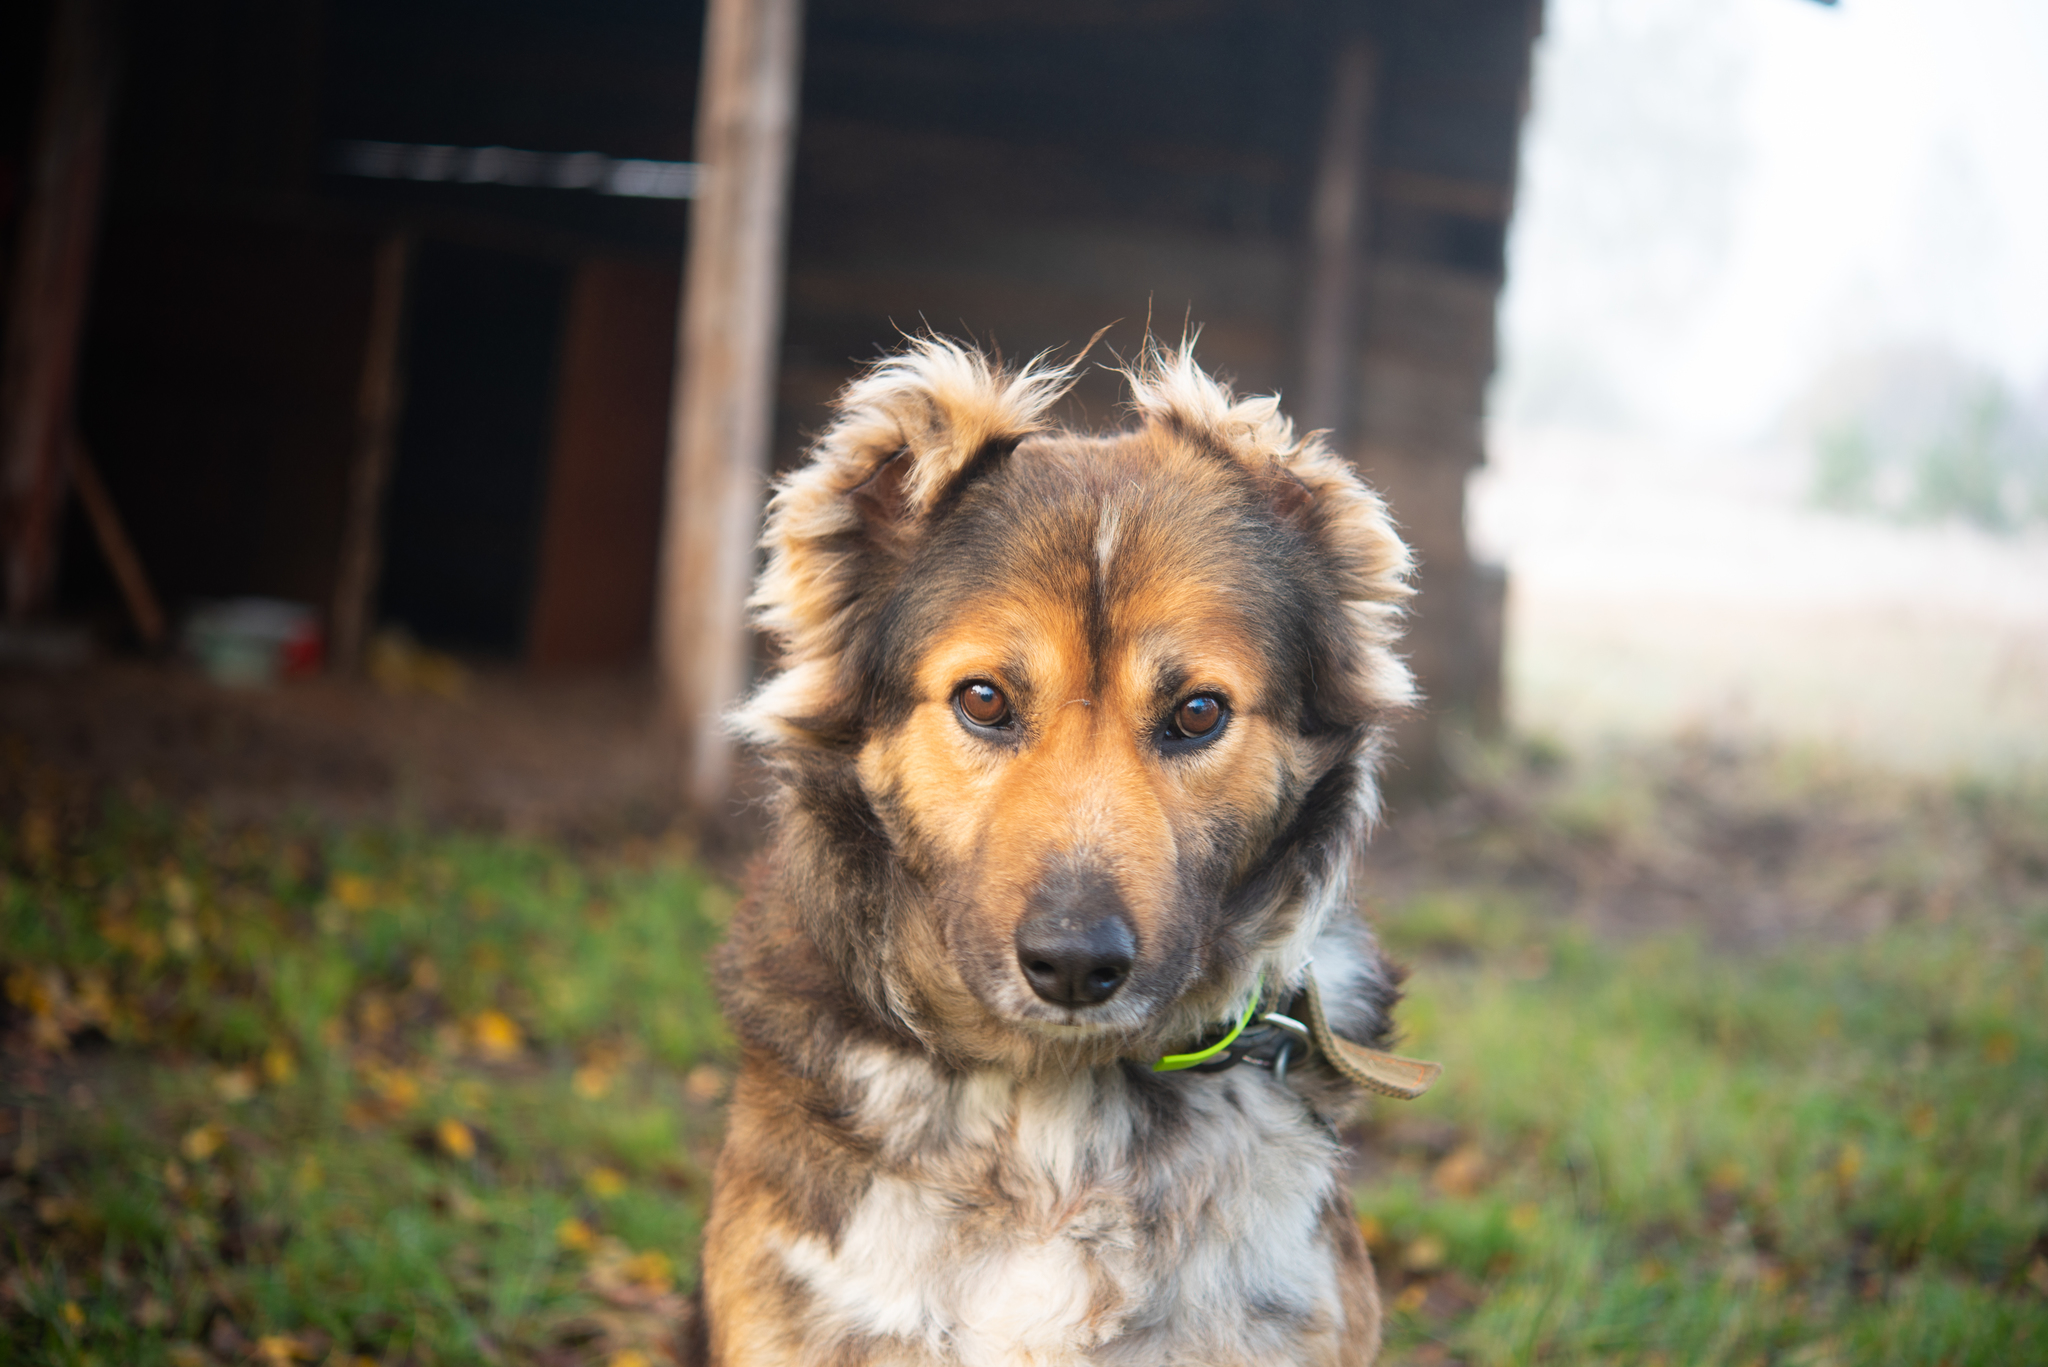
1199, 716
982, 703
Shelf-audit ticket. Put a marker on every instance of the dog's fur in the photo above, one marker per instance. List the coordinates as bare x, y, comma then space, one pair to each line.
926, 1162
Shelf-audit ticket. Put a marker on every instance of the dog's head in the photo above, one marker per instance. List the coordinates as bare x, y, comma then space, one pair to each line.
1076, 734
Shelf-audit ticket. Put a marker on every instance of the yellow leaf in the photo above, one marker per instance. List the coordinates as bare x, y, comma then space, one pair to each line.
73, 1316
605, 1183
354, 891
1374, 1232
203, 1142
575, 1236
1524, 1217
1848, 1163
495, 1035
457, 1140
278, 1065
591, 1082
1411, 1298
398, 1089
627, 1357
1425, 1254
651, 1269
281, 1349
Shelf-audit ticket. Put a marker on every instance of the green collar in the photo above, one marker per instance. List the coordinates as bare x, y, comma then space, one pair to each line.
1173, 1063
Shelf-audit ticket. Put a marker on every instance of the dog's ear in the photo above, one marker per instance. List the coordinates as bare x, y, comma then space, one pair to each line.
909, 433
1309, 487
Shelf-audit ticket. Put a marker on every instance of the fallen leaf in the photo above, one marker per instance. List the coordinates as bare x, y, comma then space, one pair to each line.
457, 1140
1425, 1254
354, 891
202, 1142
605, 1183
234, 1085
704, 1084
495, 1035
575, 1236
1462, 1172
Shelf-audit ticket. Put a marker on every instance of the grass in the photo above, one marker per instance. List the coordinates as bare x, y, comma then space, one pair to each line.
279, 1094
1821, 1151
282, 1097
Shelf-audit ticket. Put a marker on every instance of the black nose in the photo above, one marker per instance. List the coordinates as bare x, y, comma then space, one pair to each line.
1076, 946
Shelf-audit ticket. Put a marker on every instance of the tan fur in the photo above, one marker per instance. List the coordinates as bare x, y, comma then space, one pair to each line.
930, 1163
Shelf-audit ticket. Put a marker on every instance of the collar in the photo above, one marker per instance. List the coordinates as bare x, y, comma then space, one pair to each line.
1295, 1029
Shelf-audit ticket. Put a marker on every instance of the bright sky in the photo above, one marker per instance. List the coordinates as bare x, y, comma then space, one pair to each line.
1720, 196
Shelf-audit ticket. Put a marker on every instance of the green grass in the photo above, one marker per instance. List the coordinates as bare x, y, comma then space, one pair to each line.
397, 1098
1644, 1150
280, 1094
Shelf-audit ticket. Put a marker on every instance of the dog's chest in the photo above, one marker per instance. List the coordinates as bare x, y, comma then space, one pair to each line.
1096, 1218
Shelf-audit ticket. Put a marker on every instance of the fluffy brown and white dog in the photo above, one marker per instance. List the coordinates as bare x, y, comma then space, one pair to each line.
1074, 744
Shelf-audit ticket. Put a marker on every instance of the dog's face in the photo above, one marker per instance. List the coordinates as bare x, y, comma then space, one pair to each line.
1080, 729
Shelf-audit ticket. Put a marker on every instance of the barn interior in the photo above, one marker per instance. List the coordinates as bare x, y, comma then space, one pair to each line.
315, 218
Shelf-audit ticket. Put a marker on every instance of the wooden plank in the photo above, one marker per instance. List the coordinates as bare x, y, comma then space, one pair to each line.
725, 384
380, 399
593, 604
52, 277
112, 534
1338, 215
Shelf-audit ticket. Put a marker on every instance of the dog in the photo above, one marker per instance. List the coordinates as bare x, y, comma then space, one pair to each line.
1049, 987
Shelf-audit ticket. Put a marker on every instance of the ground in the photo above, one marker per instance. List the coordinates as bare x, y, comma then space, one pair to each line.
414, 1062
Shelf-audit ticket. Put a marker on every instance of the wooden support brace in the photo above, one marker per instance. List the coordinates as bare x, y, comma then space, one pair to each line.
726, 371
380, 398
112, 534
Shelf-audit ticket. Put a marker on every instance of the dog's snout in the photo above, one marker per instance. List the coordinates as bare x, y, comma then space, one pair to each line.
1076, 946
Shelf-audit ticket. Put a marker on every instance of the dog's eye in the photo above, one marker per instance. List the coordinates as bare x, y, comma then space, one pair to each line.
982, 703
1198, 718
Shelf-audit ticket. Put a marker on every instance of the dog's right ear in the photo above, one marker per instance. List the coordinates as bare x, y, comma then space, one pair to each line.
911, 430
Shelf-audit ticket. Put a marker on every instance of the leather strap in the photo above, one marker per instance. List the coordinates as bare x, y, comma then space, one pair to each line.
1373, 1069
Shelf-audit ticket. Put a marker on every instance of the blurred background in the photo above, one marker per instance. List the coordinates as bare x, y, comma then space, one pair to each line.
388, 396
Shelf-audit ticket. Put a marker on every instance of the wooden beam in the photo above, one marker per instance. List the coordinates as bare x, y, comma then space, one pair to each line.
52, 278
380, 400
112, 534
1339, 213
725, 381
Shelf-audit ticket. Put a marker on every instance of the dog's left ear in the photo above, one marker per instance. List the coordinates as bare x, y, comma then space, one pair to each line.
910, 432
1312, 489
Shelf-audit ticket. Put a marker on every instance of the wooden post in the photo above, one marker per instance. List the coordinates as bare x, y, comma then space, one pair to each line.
725, 379
380, 398
52, 277
1338, 218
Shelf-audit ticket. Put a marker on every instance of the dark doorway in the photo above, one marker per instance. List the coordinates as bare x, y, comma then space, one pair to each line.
462, 527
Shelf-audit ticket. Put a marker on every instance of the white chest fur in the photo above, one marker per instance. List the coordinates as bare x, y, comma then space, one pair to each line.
1077, 1220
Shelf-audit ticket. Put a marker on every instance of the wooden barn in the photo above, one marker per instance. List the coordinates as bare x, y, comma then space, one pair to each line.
375, 306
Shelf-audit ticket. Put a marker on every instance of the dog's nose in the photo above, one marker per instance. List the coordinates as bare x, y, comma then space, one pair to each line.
1077, 946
